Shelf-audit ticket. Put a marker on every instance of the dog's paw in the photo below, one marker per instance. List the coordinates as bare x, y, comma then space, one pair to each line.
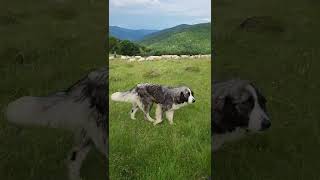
156, 122
152, 120
172, 123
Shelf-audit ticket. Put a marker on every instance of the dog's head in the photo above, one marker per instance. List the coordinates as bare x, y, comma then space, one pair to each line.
239, 104
186, 95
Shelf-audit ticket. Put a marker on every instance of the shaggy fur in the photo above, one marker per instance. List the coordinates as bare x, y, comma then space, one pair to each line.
82, 108
168, 99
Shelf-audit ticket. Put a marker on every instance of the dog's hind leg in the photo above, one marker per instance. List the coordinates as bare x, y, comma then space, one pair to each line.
78, 154
134, 109
158, 115
169, 116
146, 109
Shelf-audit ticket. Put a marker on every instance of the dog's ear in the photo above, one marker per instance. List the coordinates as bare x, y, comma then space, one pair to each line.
261, 98
223, 111
182, 98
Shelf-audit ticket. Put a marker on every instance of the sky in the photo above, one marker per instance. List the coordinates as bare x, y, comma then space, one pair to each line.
158, 14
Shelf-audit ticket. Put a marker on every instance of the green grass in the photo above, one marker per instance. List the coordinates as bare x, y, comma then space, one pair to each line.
285, 65
46, 46
138, 150
183, 39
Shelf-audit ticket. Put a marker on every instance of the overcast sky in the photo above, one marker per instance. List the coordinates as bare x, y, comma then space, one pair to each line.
158, 14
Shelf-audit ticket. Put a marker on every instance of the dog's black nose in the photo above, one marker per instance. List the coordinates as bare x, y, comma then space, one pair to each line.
193, 100
265, 124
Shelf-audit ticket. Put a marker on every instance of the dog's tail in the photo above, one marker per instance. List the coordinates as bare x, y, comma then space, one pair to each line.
28, 110
123, 96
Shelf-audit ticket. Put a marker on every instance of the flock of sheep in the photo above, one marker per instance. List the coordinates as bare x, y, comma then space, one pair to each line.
151, 58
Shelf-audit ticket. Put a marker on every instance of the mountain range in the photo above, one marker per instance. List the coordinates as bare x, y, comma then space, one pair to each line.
180, 39
129, 34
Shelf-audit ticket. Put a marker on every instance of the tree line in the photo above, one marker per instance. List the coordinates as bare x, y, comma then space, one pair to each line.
128, 48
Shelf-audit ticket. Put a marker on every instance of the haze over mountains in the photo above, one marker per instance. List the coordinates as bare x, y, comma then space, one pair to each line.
129, 34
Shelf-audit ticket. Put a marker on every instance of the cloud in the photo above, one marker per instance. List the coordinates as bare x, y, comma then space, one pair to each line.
199, 8
129, 3
159, 13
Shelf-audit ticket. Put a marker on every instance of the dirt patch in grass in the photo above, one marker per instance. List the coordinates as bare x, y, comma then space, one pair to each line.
151, 74
12, 17
192, 69
129, 65
262, 24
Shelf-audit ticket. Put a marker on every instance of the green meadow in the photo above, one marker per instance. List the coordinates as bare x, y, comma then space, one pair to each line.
139, 150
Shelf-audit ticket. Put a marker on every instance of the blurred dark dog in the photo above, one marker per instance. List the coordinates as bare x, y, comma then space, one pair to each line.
238, 108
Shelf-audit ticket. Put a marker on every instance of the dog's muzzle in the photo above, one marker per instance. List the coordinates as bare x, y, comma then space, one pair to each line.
265, 124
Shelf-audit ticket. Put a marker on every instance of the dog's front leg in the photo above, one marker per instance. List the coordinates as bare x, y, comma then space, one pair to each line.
158, 115
169, 116
75, 162
77, 155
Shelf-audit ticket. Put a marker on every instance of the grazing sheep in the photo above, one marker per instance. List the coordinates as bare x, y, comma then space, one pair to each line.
123, 57
132, 59
141, 59
175, 57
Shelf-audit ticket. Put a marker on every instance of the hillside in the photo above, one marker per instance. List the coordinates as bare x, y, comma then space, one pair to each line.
181, 39
129, 34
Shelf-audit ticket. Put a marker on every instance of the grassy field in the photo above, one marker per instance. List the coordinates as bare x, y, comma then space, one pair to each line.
138, 150
46, 46
284, 62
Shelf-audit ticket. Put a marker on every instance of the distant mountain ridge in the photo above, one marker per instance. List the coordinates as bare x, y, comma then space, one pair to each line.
181, 39
129, 34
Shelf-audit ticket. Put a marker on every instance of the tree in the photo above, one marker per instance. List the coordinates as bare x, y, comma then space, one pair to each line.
113, 44
128, 48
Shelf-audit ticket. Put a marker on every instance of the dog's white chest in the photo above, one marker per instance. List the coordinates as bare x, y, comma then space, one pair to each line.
178, 106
